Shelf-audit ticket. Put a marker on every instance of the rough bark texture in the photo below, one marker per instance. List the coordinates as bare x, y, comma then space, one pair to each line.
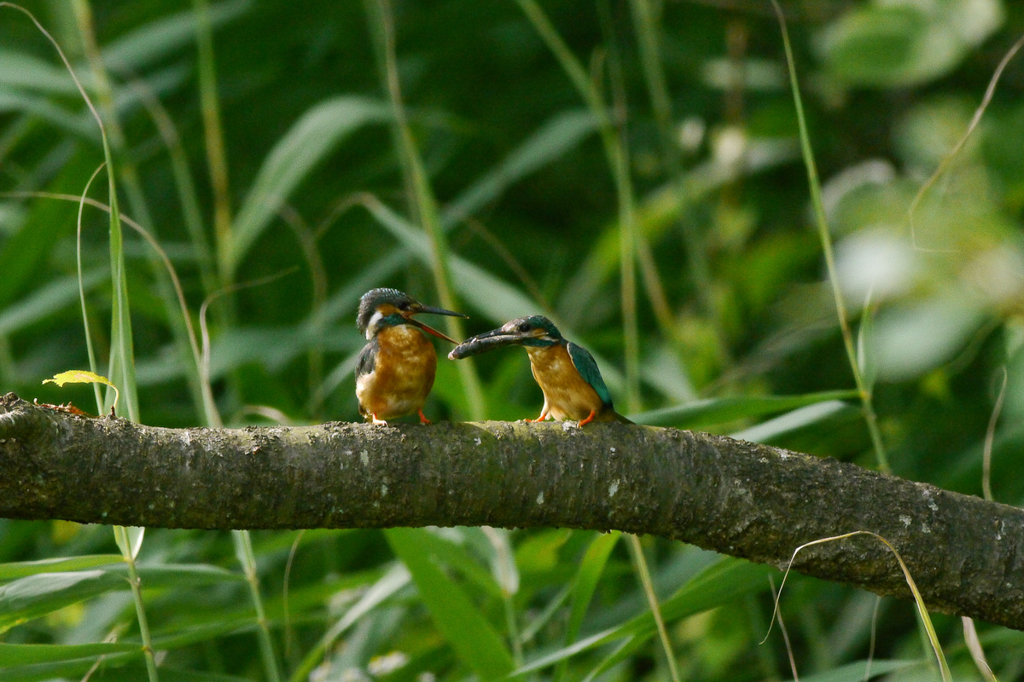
747, 500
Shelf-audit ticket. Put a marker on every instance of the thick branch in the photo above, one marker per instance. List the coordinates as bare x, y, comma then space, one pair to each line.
738, 498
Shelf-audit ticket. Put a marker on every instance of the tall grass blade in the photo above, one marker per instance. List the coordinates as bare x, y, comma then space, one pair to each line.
28, 654
216, 157
711, 411
583, 588
977, 652
656, 213
129, 541
826, 245
724, 581
122, 355
246, 557
390, 583
990, 436
799, 418
466, 629
618, 162
646, 26
309, 140
27, 72
40, 593
640, 562
47, 301
559, 134
159, 38
421, 197
90, 349
21, 569
48, 111
184, 183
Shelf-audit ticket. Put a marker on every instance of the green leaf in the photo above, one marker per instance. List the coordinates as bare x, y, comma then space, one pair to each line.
797, 419
584, 586
914, 338
441, 543
156, 39
46, 301
24, 71
308, 141
11, 100
390, 583
701, 413
854, 672
559, 134
867, 360
719, 584
116, 667
83, 376
36, 595
906, 43
182, 575
587, 578
21, 569
470, 634
25, 654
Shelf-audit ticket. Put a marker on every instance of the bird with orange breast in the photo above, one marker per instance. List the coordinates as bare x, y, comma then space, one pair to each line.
567, 374
395, 370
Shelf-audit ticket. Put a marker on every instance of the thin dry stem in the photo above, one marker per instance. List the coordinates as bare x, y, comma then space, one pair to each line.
990, 434
948, 158
929, 628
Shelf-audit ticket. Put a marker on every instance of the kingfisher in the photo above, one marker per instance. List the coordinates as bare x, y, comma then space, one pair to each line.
567, 374
395, 370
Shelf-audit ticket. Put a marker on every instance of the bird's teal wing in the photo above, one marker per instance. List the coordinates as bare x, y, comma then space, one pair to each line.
585, 364
367, 358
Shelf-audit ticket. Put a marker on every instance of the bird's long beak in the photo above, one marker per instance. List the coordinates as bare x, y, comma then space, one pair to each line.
481, 343
432, 311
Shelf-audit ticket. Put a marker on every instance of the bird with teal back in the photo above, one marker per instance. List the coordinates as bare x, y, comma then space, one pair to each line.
567, 374
395, 370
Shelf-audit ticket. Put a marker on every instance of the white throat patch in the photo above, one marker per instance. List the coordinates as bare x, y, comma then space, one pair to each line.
371, 327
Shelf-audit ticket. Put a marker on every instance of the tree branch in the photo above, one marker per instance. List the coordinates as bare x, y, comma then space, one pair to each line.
752, 501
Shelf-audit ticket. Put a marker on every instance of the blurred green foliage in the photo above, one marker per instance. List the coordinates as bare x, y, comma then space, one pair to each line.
737, 328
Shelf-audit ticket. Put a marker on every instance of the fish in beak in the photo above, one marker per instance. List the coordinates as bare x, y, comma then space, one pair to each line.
496, 338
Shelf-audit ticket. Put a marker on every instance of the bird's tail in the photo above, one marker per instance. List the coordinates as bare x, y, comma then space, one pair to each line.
612, 416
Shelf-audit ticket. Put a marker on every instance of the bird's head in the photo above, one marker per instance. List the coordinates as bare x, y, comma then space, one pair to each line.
381, 308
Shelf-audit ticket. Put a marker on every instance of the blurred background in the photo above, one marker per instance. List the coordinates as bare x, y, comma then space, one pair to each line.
630, 168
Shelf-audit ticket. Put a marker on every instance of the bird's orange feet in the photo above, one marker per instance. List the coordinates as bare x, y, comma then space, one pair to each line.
377, 422
423, 418
590, 418
542, 417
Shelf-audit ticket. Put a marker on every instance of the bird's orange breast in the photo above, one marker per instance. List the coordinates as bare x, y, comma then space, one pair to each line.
566, 394
402, 376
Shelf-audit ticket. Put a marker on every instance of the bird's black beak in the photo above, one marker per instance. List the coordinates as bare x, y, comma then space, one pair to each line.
431, 310
481, 343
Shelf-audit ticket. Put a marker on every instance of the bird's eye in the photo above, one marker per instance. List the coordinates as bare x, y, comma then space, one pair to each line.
524, 327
